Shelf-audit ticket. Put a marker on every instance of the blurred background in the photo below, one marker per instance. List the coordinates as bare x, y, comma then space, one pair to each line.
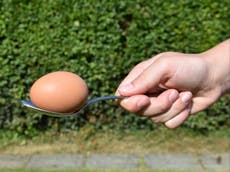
102, 41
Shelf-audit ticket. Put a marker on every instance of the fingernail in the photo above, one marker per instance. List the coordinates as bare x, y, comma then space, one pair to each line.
186, 97
173, 96
125, 88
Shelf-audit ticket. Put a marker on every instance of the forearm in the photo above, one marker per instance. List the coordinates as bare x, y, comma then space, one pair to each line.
218, 58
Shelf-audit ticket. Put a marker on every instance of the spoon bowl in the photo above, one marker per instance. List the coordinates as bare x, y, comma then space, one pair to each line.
30, 105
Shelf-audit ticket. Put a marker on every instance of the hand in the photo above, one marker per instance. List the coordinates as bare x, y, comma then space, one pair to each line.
190, 83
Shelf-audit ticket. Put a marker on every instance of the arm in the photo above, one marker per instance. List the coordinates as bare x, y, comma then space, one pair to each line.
218, 59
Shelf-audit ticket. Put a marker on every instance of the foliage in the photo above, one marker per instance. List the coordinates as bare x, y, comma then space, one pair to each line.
100, 41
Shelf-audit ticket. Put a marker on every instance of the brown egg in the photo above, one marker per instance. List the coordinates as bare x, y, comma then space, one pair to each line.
59, 92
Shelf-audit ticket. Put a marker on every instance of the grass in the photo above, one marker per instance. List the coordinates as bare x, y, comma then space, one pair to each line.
87, 141
90, 170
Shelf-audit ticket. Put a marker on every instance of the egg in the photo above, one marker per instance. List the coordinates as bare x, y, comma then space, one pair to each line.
59, 91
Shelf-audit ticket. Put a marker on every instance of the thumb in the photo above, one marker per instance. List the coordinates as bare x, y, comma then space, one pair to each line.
146, 81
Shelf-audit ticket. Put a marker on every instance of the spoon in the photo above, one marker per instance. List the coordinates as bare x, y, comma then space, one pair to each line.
29, 104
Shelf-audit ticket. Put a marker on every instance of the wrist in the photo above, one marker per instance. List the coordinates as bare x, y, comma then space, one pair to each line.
218, 61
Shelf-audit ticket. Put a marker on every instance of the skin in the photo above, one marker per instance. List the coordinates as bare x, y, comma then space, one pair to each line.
171, 86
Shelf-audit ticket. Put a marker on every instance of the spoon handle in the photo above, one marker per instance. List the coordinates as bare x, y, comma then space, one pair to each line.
93, 100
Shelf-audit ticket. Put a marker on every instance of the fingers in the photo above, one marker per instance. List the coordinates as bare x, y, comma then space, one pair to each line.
160, 104
147, 80
137, 70
179, 119
170, 107
178, 112
143, 73
135, 103
178, 106
148, 106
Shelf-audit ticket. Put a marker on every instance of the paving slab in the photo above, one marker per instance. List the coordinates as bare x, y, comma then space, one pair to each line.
112, 161
119, 161
172, 161
13, 161
56, 161
216, 161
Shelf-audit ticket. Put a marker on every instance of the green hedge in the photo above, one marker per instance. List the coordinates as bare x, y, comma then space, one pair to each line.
101, 41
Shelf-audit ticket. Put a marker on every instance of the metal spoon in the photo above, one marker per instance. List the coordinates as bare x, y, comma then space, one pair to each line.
29, 104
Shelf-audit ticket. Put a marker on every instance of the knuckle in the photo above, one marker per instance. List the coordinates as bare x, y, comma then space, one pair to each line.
177, 107
141, 64
169, 53
138, 67
140, 79
163, 107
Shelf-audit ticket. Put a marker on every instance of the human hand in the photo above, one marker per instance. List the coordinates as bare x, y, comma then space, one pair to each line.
190, 83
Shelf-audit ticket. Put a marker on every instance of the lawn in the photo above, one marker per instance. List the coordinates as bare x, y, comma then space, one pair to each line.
88, 140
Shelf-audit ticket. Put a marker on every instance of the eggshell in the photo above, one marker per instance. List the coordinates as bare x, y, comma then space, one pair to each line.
59, 91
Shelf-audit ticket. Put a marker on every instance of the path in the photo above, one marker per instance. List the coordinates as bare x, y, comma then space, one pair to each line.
118, 161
